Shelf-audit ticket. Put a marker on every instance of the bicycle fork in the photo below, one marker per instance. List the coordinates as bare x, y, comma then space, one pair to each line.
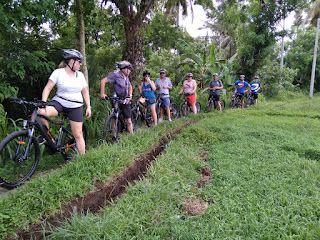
22, 142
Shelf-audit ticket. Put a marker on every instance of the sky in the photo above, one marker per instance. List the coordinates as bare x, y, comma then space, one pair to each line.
199, 19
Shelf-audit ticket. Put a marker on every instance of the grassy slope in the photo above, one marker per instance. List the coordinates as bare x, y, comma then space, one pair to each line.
265, 181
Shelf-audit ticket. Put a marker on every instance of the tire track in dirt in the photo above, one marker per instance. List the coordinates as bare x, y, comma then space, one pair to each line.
103, 193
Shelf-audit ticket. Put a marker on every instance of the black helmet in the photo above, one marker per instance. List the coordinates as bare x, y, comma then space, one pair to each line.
162, 70
146, 72
124, 65
71, 54
189, 75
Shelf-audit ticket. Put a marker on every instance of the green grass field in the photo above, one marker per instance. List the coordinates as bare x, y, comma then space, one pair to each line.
264, 182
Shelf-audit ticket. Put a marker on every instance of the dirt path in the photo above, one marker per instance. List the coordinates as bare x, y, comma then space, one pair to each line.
104, 192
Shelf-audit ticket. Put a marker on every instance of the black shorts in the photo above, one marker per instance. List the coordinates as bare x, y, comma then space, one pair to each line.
255, 96
240, 96
215, 97
74, 114
126, 110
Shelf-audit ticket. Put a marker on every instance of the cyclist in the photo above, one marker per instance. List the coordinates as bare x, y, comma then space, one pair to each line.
122, 88
147, 88
255, 87
163, 84
189, 88
241, 87
72, 88
214, 86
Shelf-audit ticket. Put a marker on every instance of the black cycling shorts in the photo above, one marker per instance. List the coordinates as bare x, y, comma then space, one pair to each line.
126, 110
255, 96
74, 114
240, 96
215, 97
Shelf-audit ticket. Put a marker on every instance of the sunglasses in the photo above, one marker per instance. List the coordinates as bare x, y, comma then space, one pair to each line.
78, 60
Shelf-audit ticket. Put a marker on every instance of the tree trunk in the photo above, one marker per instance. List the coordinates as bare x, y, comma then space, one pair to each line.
134, 45
81, 34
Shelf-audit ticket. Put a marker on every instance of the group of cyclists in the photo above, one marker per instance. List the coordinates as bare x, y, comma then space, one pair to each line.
72, 89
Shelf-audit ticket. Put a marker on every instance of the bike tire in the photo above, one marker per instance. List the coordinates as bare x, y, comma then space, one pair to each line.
223, 105
209, 106
184, 109
14, 171
109, 130
69, 142
174, 111
232, 104
148, 118
134, 120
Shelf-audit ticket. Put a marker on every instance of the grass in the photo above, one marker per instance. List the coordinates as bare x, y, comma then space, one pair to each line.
264, 182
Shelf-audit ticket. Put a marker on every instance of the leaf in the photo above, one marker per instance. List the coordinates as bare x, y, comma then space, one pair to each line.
212, 54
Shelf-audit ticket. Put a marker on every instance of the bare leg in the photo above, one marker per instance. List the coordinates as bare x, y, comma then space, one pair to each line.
48, 111
194, 108
154, 115
76, 128
218, 105
129, 125
168, 112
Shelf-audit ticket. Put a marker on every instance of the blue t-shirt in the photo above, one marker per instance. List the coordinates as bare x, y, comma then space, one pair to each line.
147, 91
241, 86
254, 87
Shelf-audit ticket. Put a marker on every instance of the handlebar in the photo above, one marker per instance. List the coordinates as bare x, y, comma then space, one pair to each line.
35, 103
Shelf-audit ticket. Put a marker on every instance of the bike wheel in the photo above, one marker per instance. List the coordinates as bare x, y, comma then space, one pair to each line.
148, 118
208, 106
68, 142
14, 169
174, 112
223, 105
110, 130
184, 109
232, 104
134, 120
198, 106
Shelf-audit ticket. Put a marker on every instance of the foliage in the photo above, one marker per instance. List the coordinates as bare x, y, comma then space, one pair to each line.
300, 57
274, 80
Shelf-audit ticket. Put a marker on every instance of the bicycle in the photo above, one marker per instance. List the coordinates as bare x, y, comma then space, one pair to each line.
174, 112
250, 100
143, 111
211, 103
115, 123
235, 100
20, 150
185, 106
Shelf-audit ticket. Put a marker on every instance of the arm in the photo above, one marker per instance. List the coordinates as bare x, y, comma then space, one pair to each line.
248, 88
153, 86
194, 87
102, 87
140, 88
47, 89
181, 91
130, 91
86, 97
234, 86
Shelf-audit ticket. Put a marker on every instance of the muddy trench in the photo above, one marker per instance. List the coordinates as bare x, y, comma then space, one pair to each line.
103, 193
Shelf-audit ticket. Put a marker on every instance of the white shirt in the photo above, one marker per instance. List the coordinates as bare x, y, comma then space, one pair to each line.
68, 87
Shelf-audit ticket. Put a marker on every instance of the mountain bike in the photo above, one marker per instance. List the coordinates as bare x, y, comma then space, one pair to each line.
20, 150
185, 106
174, 111
115, 122
211, 103
235, 100
142, 112
250, 100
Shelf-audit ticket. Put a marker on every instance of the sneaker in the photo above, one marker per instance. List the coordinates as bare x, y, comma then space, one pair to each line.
41, 140
160, 120
170, 120
114, 139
